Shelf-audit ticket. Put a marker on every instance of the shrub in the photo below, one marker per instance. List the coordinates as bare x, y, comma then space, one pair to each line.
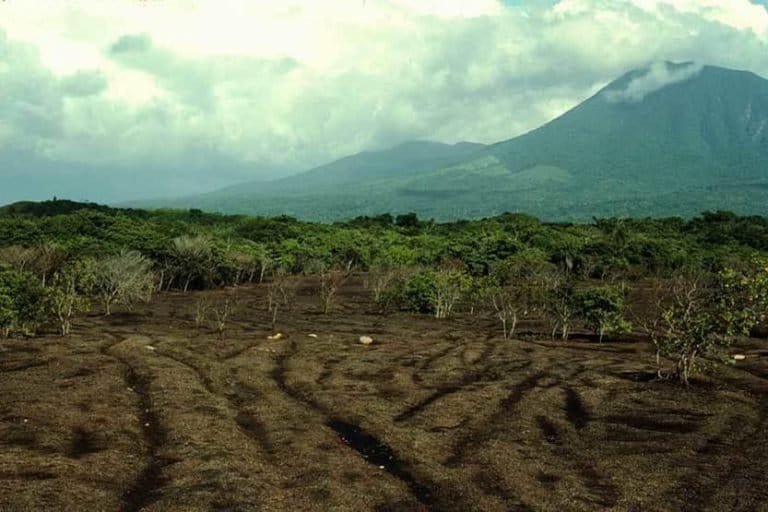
22, 302
602, 309
416, 293
427, 291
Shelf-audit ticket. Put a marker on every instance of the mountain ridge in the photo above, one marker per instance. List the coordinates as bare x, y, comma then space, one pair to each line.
668, 130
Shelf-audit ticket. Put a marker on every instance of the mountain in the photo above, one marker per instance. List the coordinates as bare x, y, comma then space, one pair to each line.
669, 139
366, 170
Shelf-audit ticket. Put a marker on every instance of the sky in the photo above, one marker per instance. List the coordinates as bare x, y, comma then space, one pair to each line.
121, 99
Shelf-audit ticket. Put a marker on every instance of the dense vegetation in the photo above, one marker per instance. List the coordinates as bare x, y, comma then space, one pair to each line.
691, 285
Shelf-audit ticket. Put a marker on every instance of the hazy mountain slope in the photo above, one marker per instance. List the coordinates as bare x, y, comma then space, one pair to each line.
404, 160
673, 139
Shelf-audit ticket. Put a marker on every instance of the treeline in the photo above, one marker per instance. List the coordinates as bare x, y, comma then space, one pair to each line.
58, 257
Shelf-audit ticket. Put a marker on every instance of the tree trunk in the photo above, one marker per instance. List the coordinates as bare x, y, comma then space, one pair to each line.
274, 317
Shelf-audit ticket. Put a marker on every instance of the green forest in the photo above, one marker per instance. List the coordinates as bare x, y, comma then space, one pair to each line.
691, 286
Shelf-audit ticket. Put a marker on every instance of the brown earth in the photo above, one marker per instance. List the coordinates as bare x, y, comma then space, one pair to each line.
144, 411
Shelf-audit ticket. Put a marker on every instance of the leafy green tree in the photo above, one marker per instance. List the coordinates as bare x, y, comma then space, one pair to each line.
22, 303
416, 293
602, 309
705, 313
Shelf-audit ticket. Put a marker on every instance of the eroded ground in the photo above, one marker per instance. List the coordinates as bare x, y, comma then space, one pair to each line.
143, 411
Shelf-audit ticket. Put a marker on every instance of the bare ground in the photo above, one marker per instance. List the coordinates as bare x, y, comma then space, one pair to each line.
143, 411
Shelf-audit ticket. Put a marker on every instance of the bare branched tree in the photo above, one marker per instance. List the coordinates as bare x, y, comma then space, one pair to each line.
330, 282
450, 286
380, 280
124, 278
64, 298
222, 313
280, 293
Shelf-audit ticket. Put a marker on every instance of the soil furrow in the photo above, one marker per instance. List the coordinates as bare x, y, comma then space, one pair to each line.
144, 490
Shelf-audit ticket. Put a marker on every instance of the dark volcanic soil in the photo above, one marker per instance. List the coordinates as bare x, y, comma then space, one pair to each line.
144, 411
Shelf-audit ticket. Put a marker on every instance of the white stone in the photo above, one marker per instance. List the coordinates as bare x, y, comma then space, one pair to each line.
366, 340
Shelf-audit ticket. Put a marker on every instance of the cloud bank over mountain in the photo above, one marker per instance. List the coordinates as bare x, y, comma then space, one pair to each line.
240, 89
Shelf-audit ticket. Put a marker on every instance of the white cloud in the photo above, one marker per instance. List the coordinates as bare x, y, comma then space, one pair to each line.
297, 83
657, 76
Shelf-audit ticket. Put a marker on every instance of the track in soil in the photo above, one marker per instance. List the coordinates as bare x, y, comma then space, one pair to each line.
439, 416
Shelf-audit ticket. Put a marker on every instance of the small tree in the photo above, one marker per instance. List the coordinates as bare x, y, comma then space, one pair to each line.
650, 317
18, 257
379, 280
7, 313
222, 312
416, 291
602, 309
507, 308
22, 302
124, 278
264, 262
241, 264
707, 312
330, 282
202, 307
280, 294
65, 299
192, 258
450, 286
49, 258
559, 301
515, 288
